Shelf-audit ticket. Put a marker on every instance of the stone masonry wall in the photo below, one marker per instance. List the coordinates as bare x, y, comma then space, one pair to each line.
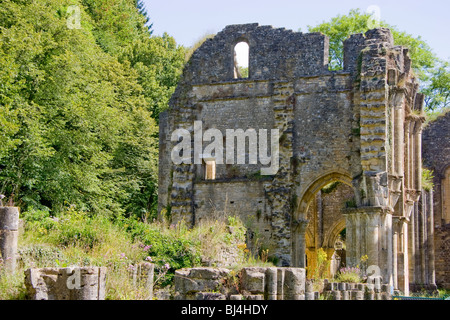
358, 126
436, 157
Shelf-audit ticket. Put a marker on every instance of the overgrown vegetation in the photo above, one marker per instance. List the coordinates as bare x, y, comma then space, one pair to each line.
427, 179
78, 238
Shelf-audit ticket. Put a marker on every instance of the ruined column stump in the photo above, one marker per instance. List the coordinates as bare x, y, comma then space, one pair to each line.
9, 234
77, 283
142, 275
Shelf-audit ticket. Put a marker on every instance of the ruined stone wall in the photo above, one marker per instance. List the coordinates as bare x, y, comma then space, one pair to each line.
239, 197
436, 157
250, 283
358, 126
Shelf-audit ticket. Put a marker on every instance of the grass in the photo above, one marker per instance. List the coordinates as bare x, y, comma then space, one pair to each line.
76, 238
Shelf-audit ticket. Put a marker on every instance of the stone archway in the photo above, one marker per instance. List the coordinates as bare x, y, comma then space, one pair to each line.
306, 240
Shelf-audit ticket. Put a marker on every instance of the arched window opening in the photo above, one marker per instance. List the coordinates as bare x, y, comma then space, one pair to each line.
241, 57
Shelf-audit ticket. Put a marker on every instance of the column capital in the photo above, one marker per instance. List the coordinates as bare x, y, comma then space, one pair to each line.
300, 225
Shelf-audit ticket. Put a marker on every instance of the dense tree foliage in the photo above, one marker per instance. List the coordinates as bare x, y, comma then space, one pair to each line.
78, 106
432, 71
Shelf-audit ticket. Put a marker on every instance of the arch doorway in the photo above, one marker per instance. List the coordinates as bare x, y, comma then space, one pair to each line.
324, 233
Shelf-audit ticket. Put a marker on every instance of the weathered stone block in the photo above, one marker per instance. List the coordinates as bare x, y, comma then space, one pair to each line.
209, 296
77, 283
208, 273
253, 280
294, 283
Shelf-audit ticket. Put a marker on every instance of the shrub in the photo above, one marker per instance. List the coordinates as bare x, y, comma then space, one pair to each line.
349, 274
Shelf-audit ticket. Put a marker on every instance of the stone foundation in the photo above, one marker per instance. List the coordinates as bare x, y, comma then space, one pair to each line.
355, 291
268, 283
252, 283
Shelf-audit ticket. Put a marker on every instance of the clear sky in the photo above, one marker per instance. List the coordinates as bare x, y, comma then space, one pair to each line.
188, 20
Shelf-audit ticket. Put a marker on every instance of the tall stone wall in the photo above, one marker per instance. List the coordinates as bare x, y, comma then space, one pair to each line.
436, 157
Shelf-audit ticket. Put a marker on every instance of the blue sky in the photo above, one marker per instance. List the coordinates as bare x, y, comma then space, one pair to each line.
189, 20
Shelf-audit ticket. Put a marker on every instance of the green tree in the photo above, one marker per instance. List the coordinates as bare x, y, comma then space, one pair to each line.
77, 116
143, 11
432, 71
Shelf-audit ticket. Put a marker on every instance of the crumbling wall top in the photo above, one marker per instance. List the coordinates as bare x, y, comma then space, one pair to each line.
275, 53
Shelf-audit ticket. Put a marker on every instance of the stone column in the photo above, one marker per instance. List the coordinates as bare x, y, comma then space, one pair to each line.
299, 245
349, 225
430, 242
280, 283
418, 155
396, 223
271, 283
405, 287
142, 275
407, 162
399, 140
373, 249
294, 284
9, 234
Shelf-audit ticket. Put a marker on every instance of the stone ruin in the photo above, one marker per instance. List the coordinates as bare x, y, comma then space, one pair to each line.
252, 283
436, 157
77, 283
360, 126
267, 283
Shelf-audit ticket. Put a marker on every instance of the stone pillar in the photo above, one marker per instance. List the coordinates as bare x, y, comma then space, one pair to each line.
396, 223
142, 275
405, 287
280, 284
294, 283
407, 162
349, 226
418, 155
309, 292
399, 144
430, 242
369, 232
271, 283
299, 245
373, 249
9, 234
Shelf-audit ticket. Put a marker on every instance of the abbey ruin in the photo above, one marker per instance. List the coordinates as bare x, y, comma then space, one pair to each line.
349, 153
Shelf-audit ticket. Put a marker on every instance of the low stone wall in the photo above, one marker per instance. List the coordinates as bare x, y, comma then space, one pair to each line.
355, 291
253, 283
78, 283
